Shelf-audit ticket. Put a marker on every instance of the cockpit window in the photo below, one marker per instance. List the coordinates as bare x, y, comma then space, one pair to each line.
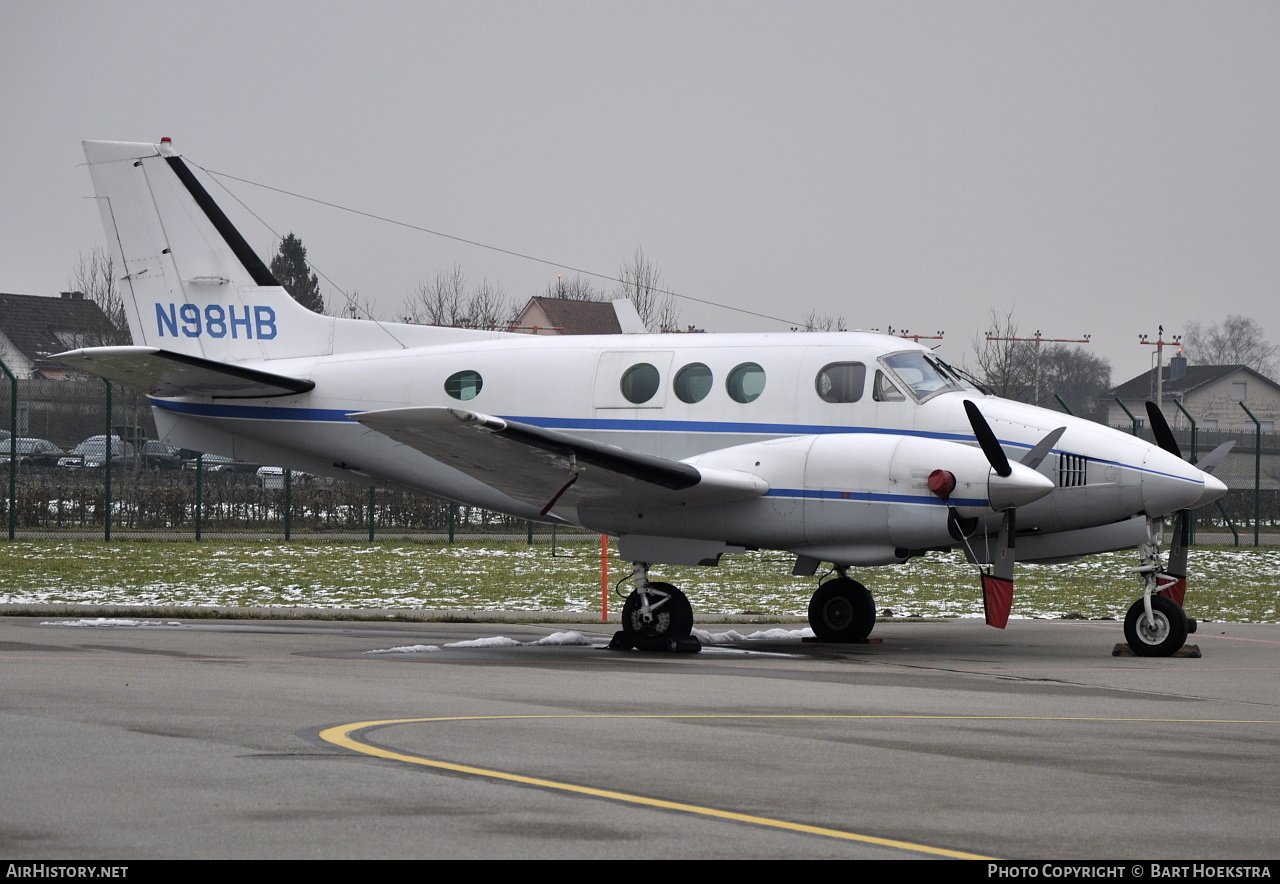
885, 390
924, 374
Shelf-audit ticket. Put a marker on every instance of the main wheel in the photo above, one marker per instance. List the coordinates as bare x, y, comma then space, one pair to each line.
842, 610
1160, 638
672, 617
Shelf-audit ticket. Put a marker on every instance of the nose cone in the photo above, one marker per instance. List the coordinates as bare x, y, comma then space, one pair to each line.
1022, 486
1213, 489
1170, 484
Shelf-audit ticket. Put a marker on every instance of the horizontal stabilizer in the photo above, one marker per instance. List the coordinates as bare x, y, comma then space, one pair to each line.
162, 373
549, 468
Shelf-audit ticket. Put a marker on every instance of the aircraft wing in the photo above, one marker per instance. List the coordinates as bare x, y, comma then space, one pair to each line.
162, 373
547, 467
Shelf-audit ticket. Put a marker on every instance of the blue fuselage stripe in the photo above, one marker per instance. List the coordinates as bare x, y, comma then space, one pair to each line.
873, 497
291, 413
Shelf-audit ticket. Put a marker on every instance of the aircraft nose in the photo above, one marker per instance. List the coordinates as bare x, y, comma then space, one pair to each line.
1170, 484
1213, 489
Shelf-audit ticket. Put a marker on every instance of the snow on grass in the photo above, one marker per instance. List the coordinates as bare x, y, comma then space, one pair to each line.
1236, 584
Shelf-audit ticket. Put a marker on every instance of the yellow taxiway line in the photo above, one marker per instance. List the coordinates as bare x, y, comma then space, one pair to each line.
341, 735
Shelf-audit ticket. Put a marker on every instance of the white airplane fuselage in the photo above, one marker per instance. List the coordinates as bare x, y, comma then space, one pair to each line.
835, 485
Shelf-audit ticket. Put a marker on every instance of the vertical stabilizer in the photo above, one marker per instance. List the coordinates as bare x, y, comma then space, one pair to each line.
190, 282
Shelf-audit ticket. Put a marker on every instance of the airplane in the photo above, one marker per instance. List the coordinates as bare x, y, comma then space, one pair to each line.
847, 448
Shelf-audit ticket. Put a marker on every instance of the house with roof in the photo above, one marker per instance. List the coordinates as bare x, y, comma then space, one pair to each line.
562, 316
34, 328
1211, 393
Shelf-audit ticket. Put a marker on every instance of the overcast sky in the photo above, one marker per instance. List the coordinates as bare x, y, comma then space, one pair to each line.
1094, 167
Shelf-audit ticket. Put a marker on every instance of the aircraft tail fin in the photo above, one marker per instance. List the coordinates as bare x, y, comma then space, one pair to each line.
191, 283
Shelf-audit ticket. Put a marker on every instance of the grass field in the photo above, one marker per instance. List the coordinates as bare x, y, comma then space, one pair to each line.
1226, 583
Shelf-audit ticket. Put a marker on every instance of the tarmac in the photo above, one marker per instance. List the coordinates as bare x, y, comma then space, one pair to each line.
384, 738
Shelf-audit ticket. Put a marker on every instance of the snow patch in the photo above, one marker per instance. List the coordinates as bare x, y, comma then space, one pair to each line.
719, 638
497, 641
109, 622
406, 649
563, 638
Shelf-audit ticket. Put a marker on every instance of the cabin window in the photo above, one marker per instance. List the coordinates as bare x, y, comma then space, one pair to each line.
885, 390
693, 382
464, 385
745, 383
640, 382
841, 382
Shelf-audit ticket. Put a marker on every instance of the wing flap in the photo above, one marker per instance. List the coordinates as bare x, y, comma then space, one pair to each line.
549, 468
162, 373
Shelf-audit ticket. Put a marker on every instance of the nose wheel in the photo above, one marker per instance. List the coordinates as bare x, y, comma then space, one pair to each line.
1159, 634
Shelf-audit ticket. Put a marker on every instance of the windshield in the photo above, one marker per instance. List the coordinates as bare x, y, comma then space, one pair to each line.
923, 373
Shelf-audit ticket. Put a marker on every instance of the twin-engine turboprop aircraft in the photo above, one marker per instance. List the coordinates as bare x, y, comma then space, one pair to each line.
846, 448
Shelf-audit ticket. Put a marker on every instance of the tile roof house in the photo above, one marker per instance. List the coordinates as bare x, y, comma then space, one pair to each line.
34, 328
1211, 393
561, 316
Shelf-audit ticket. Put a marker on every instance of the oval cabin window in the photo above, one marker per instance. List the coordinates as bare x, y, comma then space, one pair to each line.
693, 383
745, 383
464, 385
640, 383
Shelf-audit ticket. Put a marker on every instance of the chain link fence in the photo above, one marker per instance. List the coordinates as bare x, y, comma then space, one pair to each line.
120, 486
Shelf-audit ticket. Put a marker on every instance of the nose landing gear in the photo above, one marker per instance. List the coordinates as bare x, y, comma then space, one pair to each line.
1156, 625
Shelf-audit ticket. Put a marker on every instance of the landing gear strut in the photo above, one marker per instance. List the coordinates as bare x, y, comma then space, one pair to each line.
656, 617
842, 610
1156, 625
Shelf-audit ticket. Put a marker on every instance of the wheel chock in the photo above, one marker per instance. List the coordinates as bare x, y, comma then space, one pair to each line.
1122, 649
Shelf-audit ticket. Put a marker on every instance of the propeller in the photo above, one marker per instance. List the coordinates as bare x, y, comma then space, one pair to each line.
1177, 565
987, 440
997, 585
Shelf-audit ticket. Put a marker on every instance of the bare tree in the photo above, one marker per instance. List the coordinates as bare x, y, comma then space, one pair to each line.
1015, 369
575, 288
1005, 366
355, 306
446, 301
1075, 374
642, 285
1237, 340
824, 323
95, 276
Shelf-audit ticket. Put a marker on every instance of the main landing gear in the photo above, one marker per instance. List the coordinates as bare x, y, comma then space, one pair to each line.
842, 610
1156, 625
656, 617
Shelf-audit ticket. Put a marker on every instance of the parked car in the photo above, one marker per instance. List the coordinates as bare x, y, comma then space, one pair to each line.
92, 454
159, 456
32, 452
217, 463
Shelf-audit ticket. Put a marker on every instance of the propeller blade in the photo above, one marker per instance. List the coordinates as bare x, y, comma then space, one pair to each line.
1033, 457
1160, 427
1210, 461
987, 440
